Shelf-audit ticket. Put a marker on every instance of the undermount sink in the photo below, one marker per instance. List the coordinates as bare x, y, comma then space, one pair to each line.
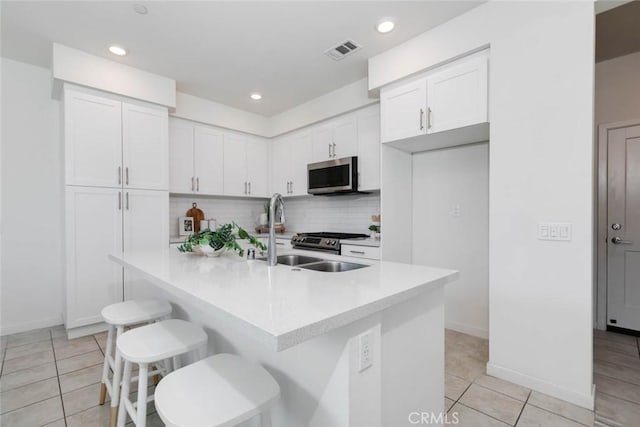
333, 266
295, 259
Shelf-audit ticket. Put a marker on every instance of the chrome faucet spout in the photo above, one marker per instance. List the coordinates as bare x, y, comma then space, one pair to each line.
275, 202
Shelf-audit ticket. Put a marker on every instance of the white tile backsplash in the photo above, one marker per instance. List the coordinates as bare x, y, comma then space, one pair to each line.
349, 214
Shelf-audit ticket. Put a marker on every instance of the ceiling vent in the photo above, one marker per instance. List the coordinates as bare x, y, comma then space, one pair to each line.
343, 50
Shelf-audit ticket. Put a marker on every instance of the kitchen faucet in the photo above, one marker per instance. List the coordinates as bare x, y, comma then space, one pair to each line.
276, 200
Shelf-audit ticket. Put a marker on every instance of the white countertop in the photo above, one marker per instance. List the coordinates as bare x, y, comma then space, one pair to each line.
279, 306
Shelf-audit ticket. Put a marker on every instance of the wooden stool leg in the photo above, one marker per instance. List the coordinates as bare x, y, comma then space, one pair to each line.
106, 367
141, 416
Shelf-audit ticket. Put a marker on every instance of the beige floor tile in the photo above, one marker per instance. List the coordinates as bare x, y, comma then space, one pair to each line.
464, 367
28, 349
617, 358
617, 388
492, 403
58, 332
80, 361
65, 349
504, 387
27, 376
34, 415
82, 399
28, 394
560, 407
454, 386
448, 403
624, 348
620, 411
467, 345
468, 417
80, 378
58, 423
613, 370
27, 361
28, 337
536, 417
96, 416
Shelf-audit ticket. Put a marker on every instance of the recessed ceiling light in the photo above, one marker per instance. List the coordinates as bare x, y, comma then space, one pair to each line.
256, 96
117, 50
141, 9
385, 26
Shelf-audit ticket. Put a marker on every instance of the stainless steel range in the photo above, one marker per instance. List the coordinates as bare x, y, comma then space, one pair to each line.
323, 241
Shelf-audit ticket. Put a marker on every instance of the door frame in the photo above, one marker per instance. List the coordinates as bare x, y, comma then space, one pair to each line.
601, 223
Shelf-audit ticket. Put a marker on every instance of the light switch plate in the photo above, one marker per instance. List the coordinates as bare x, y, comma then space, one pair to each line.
554, 231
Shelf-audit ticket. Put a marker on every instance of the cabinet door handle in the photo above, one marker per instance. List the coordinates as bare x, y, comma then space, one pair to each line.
119, 200
334, 149
249, 187
329, 150
193, 187
198, 184
279, 244
421, 115
429, 118
291, 192
127, 200
119, 175
357, 252
126, 175
245, 187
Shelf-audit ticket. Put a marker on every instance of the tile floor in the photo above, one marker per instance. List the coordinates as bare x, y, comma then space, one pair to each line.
47, 380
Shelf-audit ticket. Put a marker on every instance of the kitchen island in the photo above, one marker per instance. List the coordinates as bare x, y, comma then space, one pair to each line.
307, 328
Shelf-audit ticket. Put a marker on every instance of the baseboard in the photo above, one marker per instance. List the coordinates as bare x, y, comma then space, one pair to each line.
29, 326
83, 331
585, 401
467, 329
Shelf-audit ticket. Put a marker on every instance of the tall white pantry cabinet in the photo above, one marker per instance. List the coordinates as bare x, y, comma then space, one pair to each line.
117, 198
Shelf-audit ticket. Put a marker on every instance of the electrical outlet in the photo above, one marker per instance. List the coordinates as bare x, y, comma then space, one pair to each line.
366, 350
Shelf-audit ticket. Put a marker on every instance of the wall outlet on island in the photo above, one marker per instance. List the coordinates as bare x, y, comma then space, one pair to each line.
365, 359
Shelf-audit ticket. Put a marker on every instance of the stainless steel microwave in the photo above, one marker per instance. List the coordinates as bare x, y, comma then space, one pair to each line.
337, 176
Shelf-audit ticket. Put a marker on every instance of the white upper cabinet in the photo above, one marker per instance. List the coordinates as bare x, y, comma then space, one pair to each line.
208, 159
335, 139
109, 143
291, 154
368, 120
196, 158
403, 110
93, 140
457, 95
453, 97
181, 157
145, 155
245, 166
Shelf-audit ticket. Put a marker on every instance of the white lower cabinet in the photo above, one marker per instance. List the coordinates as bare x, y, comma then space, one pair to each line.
103, 221
355, 251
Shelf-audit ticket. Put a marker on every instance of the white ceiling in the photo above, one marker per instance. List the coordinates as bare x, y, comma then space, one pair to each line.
223, 51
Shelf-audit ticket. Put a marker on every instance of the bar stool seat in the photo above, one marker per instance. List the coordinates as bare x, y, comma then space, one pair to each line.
133, 312
118, 316
149, 345
221, 390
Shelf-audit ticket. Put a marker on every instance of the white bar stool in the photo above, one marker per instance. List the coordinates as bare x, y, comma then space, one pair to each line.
118, 316
221, 390
153, 343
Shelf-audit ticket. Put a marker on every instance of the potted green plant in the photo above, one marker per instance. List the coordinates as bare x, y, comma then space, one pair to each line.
376, 230
215, 242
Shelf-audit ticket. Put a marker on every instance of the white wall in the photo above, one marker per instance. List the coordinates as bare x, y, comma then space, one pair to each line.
451, 229
350, 214
32, 200
541, 166
618, 89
